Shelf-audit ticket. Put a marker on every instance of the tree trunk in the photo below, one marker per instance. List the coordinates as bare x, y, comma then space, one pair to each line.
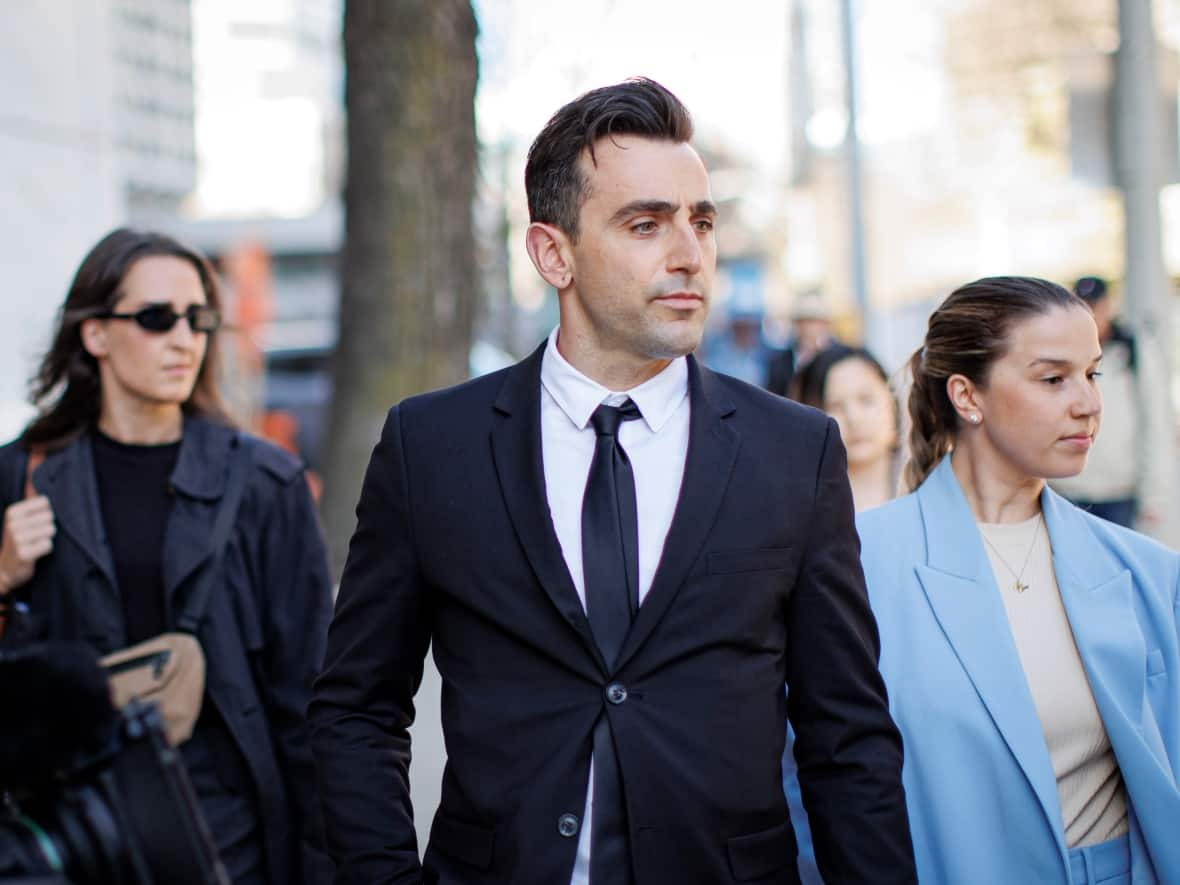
408, 271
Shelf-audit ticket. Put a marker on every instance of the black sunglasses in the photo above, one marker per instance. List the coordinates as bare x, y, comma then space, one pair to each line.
161, 317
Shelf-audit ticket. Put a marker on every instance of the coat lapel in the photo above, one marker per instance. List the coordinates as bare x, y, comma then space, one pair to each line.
516, 451
67, 478
196, 486
712, 450
959, 585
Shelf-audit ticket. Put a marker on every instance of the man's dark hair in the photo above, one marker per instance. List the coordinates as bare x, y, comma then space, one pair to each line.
554, 183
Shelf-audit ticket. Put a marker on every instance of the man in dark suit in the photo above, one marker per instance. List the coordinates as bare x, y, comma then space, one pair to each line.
620, 558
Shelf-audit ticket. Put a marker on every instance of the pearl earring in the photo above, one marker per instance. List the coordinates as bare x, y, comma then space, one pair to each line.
974, 418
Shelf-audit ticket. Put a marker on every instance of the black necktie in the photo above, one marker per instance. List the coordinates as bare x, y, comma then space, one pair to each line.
610, 567
610, 534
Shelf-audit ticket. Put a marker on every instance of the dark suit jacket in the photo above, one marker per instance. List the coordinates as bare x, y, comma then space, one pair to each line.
759, 584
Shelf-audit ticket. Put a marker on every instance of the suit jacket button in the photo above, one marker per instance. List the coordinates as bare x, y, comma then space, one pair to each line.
567, 825
616, 693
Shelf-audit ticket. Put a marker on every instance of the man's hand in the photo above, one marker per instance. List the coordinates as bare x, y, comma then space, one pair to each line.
29, 528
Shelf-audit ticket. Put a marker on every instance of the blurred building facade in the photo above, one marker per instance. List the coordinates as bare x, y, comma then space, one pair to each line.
269, 98
153, 109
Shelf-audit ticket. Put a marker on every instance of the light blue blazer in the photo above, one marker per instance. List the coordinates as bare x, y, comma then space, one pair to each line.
980, 788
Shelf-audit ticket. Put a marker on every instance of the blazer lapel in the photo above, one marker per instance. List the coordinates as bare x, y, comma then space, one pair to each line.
1097, 591
712, 450
516, 451
67, 478
961, 590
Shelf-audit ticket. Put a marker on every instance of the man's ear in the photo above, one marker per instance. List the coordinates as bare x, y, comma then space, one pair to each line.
549, 250
94, 337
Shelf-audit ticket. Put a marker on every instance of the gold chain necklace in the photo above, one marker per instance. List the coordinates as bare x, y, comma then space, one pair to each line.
1018, 585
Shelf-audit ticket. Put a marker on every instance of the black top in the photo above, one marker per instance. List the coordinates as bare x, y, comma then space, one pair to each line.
135, 501
134, 495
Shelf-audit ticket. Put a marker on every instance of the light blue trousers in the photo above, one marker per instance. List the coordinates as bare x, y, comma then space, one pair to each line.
1107, 863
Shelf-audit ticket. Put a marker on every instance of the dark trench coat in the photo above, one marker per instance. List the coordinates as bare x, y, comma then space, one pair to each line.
263, 633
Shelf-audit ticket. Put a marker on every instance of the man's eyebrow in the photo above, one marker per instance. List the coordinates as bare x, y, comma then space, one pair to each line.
644, 207
661, 207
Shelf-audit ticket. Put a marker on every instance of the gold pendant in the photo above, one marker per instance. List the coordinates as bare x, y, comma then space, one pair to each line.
1019, 587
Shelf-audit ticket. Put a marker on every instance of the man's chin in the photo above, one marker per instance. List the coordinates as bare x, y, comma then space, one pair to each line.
669, 341
670, 350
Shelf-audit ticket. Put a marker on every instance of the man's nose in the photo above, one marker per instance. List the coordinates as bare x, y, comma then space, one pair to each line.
684, 254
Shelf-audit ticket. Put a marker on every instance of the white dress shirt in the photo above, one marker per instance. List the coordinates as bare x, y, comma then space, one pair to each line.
657, 446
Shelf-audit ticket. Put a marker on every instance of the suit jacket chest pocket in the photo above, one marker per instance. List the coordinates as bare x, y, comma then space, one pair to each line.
747, 589
774, 560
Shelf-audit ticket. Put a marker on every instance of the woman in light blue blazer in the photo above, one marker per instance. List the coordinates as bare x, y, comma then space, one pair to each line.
1030, 649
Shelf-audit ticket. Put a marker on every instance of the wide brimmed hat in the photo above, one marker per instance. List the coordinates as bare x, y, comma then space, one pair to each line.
811, 306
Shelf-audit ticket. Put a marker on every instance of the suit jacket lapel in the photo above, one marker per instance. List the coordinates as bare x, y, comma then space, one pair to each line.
961, 590
516, 451
712, 450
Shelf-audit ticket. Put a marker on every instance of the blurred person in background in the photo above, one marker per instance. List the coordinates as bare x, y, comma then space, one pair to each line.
851, 386
739, 349
1129, 478
811, 333
1031, 650
127, 462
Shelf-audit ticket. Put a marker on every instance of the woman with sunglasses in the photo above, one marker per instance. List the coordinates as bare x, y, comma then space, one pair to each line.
110, 498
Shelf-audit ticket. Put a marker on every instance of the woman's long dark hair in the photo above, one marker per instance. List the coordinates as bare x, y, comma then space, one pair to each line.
67, 389
965, 336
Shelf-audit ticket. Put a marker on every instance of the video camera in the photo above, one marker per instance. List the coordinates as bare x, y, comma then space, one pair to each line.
92, 796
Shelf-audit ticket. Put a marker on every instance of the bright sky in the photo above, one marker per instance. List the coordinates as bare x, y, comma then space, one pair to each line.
726, 61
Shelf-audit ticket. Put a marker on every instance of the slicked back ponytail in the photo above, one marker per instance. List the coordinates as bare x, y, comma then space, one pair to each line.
966, 334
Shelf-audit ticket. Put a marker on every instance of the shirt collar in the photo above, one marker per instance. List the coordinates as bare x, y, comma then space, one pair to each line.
578, 396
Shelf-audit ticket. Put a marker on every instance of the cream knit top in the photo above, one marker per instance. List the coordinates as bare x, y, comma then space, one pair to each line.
1089, 783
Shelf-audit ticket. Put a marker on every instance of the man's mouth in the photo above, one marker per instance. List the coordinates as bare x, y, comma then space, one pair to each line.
680, 300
